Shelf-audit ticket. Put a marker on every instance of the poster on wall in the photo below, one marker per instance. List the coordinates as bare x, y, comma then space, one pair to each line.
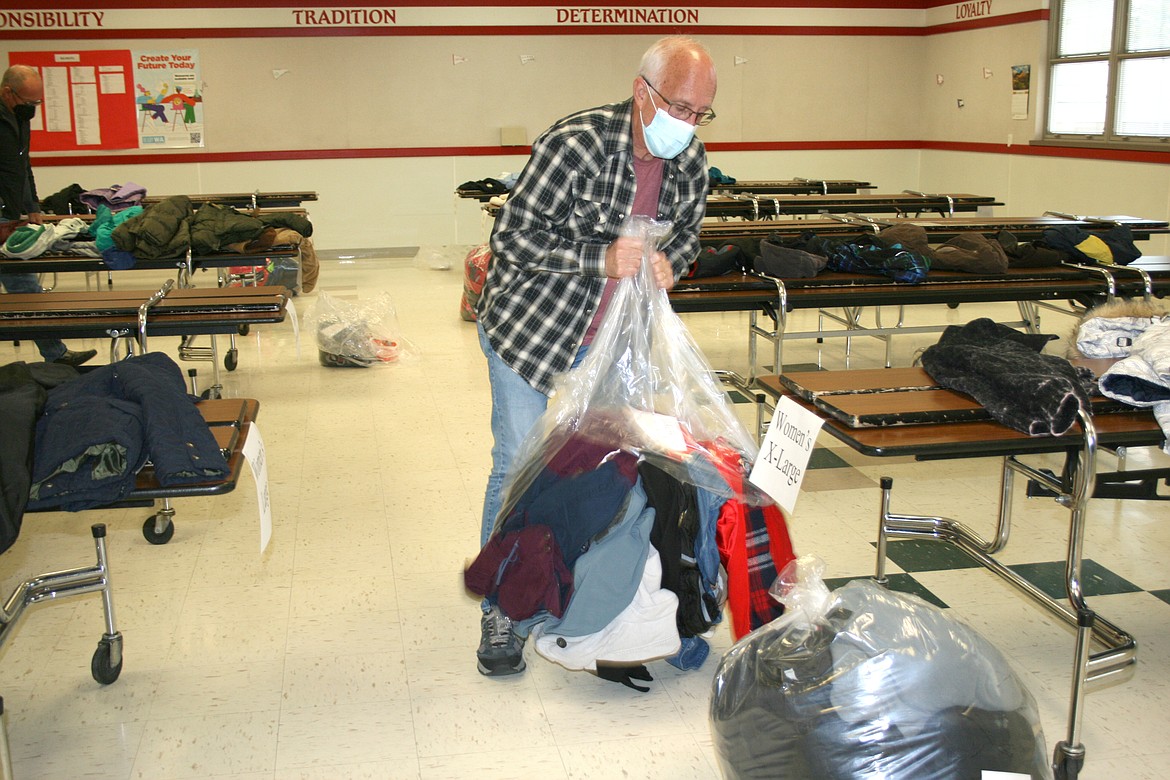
1021, 87
168, 98
88, 104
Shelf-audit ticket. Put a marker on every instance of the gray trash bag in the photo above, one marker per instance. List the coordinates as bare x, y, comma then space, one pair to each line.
867, 683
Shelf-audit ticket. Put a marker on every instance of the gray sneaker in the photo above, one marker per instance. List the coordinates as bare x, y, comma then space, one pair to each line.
500, 650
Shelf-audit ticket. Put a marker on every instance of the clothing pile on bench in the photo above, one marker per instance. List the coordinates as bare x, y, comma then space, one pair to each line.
72, 441
903, 253
1137, 334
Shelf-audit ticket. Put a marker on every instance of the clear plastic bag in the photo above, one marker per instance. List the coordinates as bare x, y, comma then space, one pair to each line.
867, 683
639, 432
357, 334
644, 387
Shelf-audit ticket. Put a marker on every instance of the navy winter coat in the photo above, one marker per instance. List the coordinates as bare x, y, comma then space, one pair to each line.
98, 430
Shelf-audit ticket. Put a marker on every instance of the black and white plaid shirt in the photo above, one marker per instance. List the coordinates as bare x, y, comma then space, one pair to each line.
548, 245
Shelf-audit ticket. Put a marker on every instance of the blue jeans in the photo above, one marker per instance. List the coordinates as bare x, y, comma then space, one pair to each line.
51, 349
516, 407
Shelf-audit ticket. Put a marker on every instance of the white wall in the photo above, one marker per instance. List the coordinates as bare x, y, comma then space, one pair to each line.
363, 94
394, 202
1030, 185
964, 60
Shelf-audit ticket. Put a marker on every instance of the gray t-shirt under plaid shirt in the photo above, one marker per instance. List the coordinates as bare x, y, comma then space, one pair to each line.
548, 245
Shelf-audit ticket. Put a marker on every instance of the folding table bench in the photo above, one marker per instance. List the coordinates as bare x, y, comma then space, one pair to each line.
130, 316
797, 186
246, 200
1028, 288
755, 206
938, 229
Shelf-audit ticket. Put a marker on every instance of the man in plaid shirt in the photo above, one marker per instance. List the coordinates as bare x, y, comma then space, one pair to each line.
557, 252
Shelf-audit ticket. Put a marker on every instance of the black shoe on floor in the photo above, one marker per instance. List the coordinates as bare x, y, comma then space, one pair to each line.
500, 652
75, 359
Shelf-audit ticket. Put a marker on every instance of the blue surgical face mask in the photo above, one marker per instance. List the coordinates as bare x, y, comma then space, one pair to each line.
666, 136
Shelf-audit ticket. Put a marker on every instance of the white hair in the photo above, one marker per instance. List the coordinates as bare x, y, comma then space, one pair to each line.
657, 58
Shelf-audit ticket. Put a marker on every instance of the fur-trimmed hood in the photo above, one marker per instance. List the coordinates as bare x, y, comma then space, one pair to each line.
1108, 330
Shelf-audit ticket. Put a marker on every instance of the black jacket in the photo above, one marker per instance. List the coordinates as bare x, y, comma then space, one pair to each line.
23, 389
18, 189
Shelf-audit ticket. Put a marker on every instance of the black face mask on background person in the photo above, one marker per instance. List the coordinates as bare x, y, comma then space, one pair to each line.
24, 112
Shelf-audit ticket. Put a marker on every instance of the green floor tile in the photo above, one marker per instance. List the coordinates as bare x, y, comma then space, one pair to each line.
1096, 580
902, 583
737, 397
1162, 594
925, 555
823, 458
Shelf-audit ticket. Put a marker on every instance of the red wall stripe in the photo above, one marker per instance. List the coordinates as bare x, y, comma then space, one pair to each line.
1043, 150
506, 30
502, 30
1039, 15
98, 5
1117, 155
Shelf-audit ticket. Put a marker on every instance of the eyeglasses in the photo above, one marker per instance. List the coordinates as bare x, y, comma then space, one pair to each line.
679, 111
23, 101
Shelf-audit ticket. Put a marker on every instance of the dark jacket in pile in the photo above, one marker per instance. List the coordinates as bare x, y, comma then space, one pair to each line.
170, 227
1005, 371
23, 390
160, 232
98, 430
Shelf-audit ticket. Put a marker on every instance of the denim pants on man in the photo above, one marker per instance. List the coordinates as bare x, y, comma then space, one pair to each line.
516, 407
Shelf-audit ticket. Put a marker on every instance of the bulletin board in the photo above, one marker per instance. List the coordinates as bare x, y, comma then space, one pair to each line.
117, 99
89, 102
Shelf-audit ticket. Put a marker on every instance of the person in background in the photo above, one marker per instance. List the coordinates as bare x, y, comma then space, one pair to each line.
21, 91
557, 253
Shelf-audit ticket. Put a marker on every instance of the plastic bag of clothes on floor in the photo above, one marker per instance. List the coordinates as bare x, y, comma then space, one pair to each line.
629, 497
299, 274
867, 683
475, 268
357, 334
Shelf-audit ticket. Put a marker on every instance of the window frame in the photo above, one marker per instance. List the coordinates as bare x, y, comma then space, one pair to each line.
1114, 57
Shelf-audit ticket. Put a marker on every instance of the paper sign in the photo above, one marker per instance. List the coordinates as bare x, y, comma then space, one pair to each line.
780, 466
988, 774
253, 452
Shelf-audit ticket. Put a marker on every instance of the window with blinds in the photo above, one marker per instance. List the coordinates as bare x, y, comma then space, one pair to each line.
1109, 72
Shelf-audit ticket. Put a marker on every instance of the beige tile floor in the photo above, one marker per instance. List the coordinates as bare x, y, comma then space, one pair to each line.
345, 650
